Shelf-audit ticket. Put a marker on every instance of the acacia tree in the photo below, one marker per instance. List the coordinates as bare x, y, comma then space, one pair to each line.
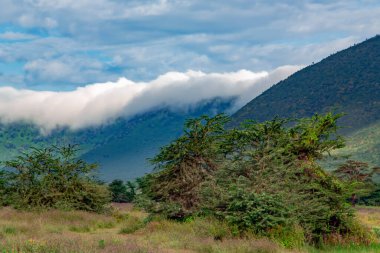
359, 178
277, 160
54, 178
122, 192
182, 166
356, 171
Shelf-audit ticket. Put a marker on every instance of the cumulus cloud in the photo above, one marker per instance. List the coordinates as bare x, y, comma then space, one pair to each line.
143, 38
101, 103
64, 71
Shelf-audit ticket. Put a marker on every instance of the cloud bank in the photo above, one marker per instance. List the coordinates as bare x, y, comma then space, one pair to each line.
100, 103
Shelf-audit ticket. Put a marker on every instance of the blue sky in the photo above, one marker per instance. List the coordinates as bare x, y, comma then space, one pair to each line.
64, 44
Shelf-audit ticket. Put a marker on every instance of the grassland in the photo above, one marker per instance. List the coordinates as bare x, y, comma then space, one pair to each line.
128, 230
362, 145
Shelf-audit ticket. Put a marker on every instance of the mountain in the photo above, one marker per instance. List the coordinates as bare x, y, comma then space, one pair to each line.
121, 148
348, 81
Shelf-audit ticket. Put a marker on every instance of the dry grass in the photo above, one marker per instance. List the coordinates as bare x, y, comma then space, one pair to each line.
75, 231
369, 216
126, 230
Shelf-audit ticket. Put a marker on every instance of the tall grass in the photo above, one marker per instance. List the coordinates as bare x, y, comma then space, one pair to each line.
128, 230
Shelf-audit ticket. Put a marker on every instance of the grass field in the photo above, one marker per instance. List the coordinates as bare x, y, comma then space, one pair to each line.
127, 230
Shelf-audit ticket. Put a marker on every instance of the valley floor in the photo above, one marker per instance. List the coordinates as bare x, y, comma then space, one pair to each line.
127, 230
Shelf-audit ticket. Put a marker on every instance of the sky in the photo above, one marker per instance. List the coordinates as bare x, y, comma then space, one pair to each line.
65, 47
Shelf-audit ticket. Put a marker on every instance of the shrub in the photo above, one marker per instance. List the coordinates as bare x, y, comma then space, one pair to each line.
9, 230
53, 178
372, 198
291, 237
258, 213
131, 225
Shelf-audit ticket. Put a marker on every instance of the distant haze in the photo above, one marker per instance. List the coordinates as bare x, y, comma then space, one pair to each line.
100, 103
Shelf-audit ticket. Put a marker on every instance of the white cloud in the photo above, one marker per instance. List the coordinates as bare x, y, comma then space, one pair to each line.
101, 103
143, 38
30, 20
65, 71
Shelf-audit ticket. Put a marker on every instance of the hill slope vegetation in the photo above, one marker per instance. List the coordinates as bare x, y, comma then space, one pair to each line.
348, 81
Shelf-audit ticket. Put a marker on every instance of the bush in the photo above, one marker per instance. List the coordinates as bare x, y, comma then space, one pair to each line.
53, 178
122, 192
131, 225
291, 237
372, 198
258, 213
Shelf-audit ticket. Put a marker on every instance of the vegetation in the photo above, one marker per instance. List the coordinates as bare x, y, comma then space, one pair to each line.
256, 188
52, 178
53, 231
347, 81
184, 165
361, 181
262, 178
362, 145
122, 192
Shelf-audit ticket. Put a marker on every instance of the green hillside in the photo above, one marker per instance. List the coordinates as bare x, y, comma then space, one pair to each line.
362, 145
348, 81
121, 148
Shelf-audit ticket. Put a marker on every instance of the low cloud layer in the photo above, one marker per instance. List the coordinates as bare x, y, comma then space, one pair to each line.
100, 103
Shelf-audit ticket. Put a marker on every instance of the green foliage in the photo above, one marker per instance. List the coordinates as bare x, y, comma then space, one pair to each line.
184, 165
359, 178
5, 189
314, 136
122, 192
346, 82
131, 225
362, 145
53, 178
10, 230
118, 190
256, 212
259, 178
291, 237
81, 229
356, 171
101, 244
372, 198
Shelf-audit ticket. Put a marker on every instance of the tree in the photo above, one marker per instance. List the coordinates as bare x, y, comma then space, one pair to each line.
277, 158
54, 178
359, 180
122, 192
118, 190
182, 166
257, 178
356, 171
